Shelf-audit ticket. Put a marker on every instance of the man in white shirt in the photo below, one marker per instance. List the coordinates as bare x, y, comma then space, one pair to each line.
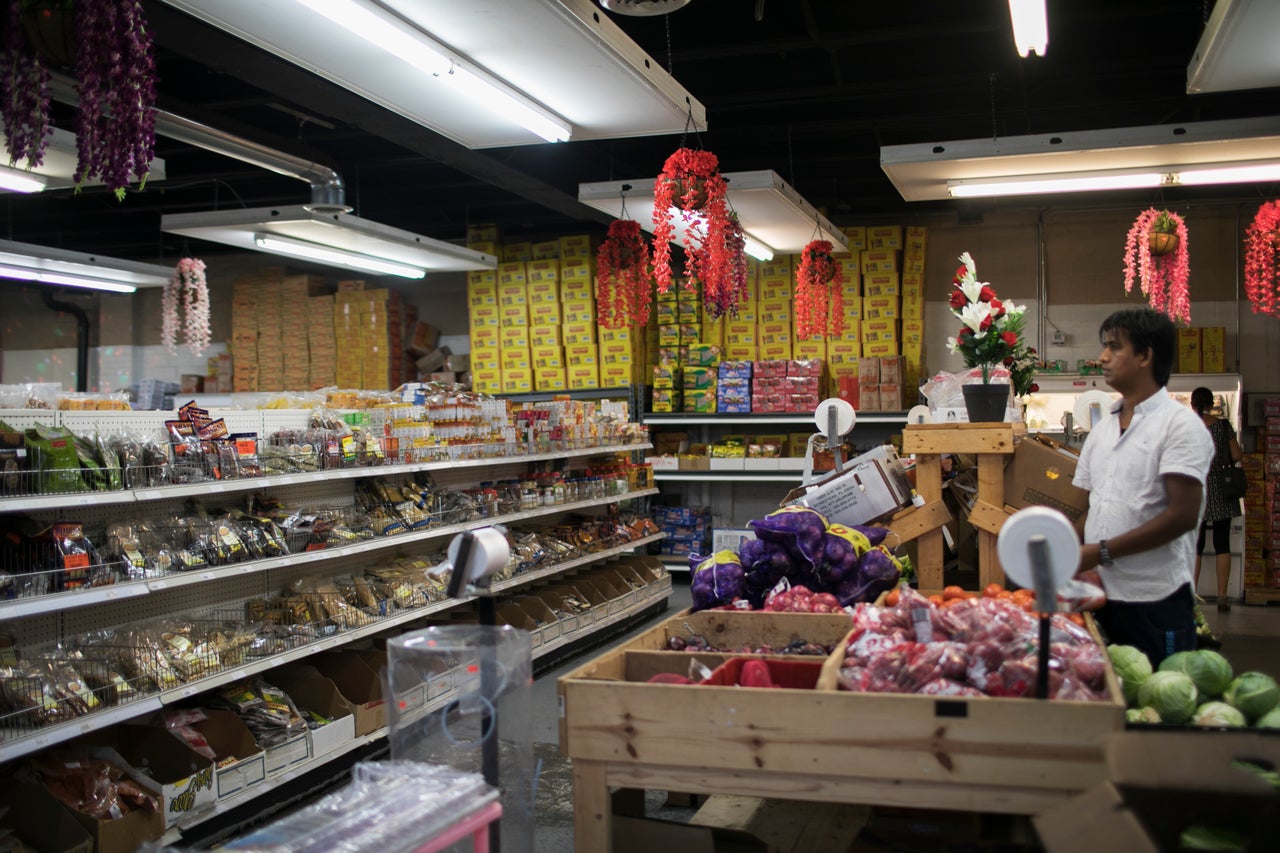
1144, 468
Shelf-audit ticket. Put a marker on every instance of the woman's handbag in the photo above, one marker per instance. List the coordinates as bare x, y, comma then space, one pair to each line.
1231, 482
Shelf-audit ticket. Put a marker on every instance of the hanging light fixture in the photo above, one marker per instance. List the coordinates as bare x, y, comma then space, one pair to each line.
46, 265
1030, 26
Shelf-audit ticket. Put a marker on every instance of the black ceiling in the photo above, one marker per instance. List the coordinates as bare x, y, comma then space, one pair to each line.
808, 88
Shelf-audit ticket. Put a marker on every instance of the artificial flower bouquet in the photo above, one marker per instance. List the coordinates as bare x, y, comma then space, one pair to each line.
991, 329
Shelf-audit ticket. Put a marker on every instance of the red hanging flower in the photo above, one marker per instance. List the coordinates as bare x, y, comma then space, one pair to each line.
1262, 244
1164, 277
623, 278
819, 292
690, 182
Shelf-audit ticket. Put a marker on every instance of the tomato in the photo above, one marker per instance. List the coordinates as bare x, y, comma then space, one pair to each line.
936, 599
993, 590
891, 600
1004, 595
1077, 618
953, 592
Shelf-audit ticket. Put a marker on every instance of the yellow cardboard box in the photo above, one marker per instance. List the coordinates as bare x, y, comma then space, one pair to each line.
616, 375
579, 311
517, 381
880, 308
857, 237
775, 351
810, 349
550, 378
575, 246
514, 337
881, 284
577, 291
843, 351
741, 352
611, 335
583, 376
487, 381
542, 292
484, 357
780, 266
512, 294
512, 272
483, 277
879, 350
575, 269
581, 354
879, 260
912, 308
547, 356
547, 270
516, 357
514, 315
545, 250
486, 336
884, 237
775, 310
775, 290
917, 237
546, 336
913, 331
544, 314
516, 252
485, 315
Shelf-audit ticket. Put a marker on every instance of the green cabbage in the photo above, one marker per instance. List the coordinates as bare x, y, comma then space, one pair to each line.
1253, 694
1209, 670
1133, 668
1217, 714
1269, 720
1172, 694
1141, 715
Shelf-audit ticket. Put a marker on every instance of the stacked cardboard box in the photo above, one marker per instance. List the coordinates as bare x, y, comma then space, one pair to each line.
687, 529
346, 335
295, 292
322, 346
1202, 349
244, 333
1262, 503
485, 325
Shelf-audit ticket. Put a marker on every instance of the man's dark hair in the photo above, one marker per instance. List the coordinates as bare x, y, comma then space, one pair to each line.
1147, 330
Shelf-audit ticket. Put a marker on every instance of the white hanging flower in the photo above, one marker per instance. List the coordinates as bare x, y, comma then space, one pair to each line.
187, 293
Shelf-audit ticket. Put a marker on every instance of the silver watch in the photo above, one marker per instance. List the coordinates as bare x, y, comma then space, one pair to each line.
1104, 554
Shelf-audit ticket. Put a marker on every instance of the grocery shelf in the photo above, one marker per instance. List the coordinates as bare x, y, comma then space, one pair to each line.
35, 503
433, 704
585, 394
15, 747
763, 419
788, 476
86, 597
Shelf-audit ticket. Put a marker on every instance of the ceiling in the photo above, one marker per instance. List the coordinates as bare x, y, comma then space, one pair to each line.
808, 88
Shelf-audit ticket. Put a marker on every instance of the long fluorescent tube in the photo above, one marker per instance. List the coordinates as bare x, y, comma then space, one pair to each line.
1064, 183
67, 280
317, 252
756, 249
1030, 26
406, 42
1244, 173
752, 246
20, 181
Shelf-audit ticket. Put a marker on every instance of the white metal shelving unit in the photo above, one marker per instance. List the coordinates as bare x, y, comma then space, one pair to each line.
737, 496
43, 620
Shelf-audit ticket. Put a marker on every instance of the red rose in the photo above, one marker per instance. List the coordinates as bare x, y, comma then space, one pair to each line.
997, 308
1009, 338
958, 299
986, 324
986, 294
960, 271
1034, 388
1008, 362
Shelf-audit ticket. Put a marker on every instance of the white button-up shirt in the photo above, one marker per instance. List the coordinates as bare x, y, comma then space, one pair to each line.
1124, 477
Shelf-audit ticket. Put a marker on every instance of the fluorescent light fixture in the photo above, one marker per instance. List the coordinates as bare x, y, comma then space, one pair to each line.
1237, 49
774, 217
405, 41
546, 67
46, 265
334, 257
1030, 26
58, 171
1158, 155
328, 237
1229, 174
1054, 184
756, 249
20, 181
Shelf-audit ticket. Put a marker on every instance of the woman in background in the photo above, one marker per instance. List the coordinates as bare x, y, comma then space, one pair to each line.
1218, 510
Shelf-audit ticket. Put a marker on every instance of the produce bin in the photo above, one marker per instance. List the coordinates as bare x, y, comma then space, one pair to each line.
1008, 755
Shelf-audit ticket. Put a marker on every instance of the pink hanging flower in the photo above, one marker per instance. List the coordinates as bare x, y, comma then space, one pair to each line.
185, 303
1164, 278
1261, 270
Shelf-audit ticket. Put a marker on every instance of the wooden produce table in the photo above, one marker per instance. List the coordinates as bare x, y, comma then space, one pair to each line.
1016, 756
991, 442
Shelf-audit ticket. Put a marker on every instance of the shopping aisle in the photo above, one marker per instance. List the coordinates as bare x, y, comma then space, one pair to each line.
555, 784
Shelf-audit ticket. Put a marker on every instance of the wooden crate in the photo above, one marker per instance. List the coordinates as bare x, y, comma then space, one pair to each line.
729, 629
982, 754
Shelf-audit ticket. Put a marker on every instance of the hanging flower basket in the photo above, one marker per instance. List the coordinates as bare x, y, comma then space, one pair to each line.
819, 293
624, 283
111, 55
690, 183
185, 305
1161, 243
1163, 276
722, 271
1261, 270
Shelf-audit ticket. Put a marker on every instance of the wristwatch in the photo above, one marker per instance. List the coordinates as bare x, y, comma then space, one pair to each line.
1104, 554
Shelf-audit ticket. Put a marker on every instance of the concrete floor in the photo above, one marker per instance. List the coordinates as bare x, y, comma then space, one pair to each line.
1250, 640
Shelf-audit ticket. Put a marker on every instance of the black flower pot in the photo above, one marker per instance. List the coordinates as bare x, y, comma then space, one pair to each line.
986, 403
